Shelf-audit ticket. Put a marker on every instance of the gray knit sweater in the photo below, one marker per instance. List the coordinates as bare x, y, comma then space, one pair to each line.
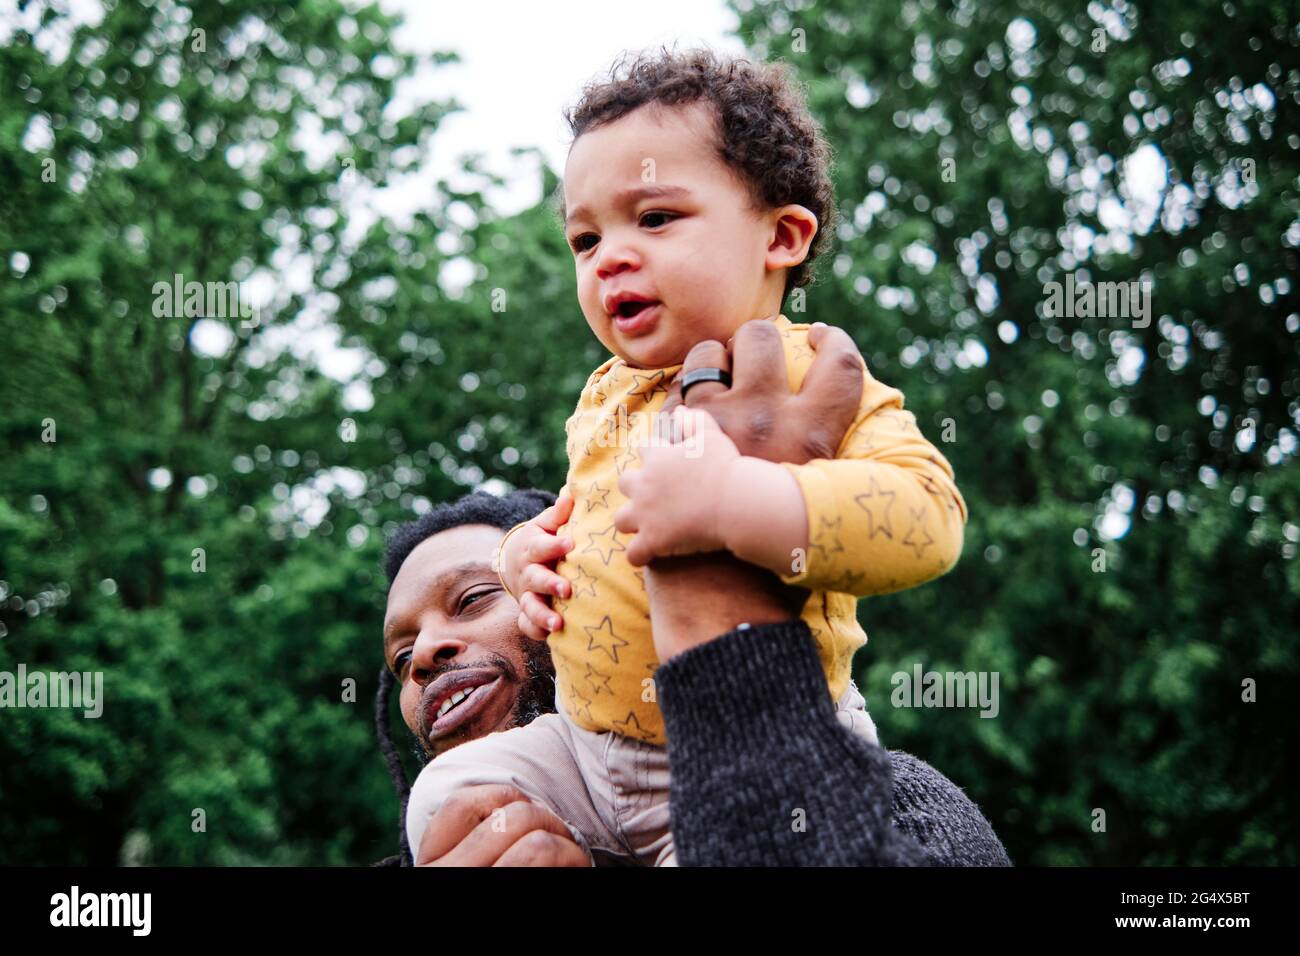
787, 784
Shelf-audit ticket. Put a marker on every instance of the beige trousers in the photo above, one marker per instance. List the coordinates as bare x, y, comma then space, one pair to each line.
611, 791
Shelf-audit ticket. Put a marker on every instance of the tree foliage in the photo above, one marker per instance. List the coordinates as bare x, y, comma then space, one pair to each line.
194, 503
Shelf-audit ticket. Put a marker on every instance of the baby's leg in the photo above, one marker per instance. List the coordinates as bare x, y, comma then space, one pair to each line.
628, 782
851, 711
537, 759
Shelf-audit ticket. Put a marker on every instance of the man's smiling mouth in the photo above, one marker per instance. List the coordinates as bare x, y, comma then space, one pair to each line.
457, 698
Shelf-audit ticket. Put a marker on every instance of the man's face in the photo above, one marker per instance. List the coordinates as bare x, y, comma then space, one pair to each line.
652, 210
451, 637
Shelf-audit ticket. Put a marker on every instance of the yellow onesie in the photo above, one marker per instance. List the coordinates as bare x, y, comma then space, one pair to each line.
884, 515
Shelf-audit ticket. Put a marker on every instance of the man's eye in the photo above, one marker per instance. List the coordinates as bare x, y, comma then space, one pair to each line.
578, 243
400, 662
471, 597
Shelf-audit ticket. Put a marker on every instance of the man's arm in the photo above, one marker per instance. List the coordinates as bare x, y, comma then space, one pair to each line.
763, 773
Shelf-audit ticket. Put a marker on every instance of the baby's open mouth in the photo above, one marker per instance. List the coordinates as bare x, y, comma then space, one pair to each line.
630, 308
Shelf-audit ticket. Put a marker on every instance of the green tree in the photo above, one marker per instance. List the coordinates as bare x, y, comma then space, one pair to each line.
162, 511
984, 151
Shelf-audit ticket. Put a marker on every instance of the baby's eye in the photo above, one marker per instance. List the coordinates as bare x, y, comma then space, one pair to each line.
577, 244
656, 215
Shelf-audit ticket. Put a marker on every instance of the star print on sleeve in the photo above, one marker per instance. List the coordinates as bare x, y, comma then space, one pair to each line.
826, 541
895, 495
918, 524
861, 444
604, 630
874, 503
605, 541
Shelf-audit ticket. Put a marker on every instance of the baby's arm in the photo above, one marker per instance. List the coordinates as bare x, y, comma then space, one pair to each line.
887, 516
883, 516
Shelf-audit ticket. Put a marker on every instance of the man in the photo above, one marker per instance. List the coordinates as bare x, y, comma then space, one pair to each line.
452, 642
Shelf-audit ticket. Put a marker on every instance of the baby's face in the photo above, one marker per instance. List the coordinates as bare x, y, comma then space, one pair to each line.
655, 214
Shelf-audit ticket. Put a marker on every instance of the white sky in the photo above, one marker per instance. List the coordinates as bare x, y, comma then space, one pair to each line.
522, 63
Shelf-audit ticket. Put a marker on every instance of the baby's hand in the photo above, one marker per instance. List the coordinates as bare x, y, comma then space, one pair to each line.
675, 501
526, 565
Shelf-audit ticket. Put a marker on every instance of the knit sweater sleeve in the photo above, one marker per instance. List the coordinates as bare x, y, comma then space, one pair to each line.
762, 772
764, 775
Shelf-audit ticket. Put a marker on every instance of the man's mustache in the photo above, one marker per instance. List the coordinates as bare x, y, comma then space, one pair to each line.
424, 716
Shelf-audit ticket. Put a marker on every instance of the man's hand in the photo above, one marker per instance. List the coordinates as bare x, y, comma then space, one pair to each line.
496, 825
526, 565
759, 412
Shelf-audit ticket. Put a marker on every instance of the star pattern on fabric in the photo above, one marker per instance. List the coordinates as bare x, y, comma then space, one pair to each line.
604, 629
927, 482
874, 503
819, 639
647, 385
625, 458
596, 497
597, 685
605, 541
582, 703
855, 583
584, 583
912, 541
862, 443
631, 727
826, 541
904, 421
803, 350
949, 500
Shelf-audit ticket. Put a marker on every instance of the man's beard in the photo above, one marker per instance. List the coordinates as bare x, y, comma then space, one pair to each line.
536, 696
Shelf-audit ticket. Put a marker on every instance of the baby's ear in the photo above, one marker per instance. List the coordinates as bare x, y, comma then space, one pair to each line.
793, 229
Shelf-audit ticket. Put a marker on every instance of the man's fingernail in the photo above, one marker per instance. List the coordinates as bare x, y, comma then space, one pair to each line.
555, 623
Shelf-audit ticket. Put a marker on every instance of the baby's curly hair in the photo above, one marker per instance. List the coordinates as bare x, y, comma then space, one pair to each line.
767, 133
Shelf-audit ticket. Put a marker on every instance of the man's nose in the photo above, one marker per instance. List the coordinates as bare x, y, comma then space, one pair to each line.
433, 648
